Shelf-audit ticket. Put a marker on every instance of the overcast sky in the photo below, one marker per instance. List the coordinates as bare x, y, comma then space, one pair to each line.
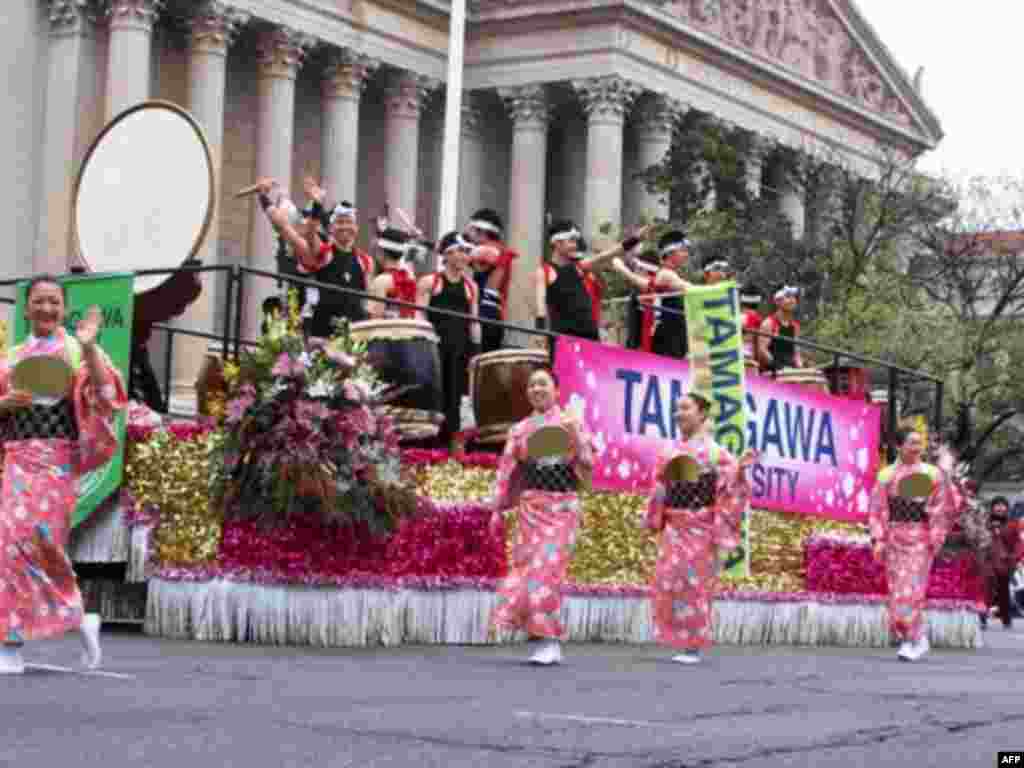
973, 59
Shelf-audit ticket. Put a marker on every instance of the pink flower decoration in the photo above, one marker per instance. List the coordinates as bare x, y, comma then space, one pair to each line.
288, 367
237, 408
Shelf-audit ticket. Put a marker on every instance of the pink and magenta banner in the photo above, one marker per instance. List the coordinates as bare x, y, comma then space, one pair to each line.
819, 453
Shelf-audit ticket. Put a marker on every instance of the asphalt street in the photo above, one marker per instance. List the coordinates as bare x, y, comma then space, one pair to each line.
189, 705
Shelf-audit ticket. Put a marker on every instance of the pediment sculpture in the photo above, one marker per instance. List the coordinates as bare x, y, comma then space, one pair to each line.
805, 36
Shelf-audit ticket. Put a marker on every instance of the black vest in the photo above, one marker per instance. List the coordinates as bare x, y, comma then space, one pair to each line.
345, 271
570, 308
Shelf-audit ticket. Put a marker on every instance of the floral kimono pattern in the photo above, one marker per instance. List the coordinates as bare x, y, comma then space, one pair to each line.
910, 547
530, 597
686, 573
39, 596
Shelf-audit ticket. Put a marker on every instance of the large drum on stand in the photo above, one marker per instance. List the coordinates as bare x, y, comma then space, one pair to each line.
405, 354
497, 384
144, 199
811, 378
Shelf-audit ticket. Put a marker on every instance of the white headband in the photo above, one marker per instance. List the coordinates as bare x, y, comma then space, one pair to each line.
786, 290
570, 234
481, 224
672, 247
458, 242
342, 210
749, 298
391, 245
717, 266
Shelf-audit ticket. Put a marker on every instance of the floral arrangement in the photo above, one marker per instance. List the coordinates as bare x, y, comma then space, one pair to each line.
302, 433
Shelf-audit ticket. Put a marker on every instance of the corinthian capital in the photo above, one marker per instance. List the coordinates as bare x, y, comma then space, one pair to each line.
280, 52
658, 115
407, 94
133, 14
527, 105
70, 17
606, 97
346, 73
214, 25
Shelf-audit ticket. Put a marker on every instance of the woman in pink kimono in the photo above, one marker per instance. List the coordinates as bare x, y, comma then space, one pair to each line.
906, 533
696, 519
47, 447
546, 495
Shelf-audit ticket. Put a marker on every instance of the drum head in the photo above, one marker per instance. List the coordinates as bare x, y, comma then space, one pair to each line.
145, 194
682, 469
45, 376
548, 442
916, 486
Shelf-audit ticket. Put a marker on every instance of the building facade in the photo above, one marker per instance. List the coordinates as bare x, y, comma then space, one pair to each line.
565, 102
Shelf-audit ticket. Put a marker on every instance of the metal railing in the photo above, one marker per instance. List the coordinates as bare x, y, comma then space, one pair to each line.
231, 335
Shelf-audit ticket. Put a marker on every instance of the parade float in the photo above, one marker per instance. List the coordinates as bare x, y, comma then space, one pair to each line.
297, 513
297, 509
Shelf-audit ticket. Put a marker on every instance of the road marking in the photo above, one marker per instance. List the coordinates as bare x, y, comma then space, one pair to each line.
83, 672
596, 720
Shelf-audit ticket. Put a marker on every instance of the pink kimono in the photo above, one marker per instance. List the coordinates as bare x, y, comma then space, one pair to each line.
686, 573
39, 595
910, 546
530, 597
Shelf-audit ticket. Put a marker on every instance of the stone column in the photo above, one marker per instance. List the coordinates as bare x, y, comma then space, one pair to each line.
759, 149
405, 98
129, 58
344, 81
212, 30
791, 198
656, 120
471, 161
605, 100
529, 110
280, 53
70, 65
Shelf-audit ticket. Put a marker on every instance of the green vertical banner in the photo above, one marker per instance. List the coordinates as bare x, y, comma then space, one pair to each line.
715, 329
114, 294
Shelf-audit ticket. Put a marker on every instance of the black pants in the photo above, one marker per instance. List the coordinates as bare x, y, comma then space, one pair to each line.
999, 596
490, 335
455, 354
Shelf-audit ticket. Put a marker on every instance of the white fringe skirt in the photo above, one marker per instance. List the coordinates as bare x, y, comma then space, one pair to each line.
227, 611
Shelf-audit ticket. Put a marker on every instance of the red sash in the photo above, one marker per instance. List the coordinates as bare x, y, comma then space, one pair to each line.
403, 288
647, 326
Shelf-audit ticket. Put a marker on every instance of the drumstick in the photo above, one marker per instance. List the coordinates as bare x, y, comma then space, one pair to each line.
408, 222
247, 191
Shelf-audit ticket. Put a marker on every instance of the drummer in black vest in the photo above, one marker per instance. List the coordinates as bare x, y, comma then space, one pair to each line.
491, 263
336, 261
776, 347
564, 305
663, 327
453, 289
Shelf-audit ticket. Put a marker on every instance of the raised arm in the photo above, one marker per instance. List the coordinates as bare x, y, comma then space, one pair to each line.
598, 260
641, 282
296, 237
